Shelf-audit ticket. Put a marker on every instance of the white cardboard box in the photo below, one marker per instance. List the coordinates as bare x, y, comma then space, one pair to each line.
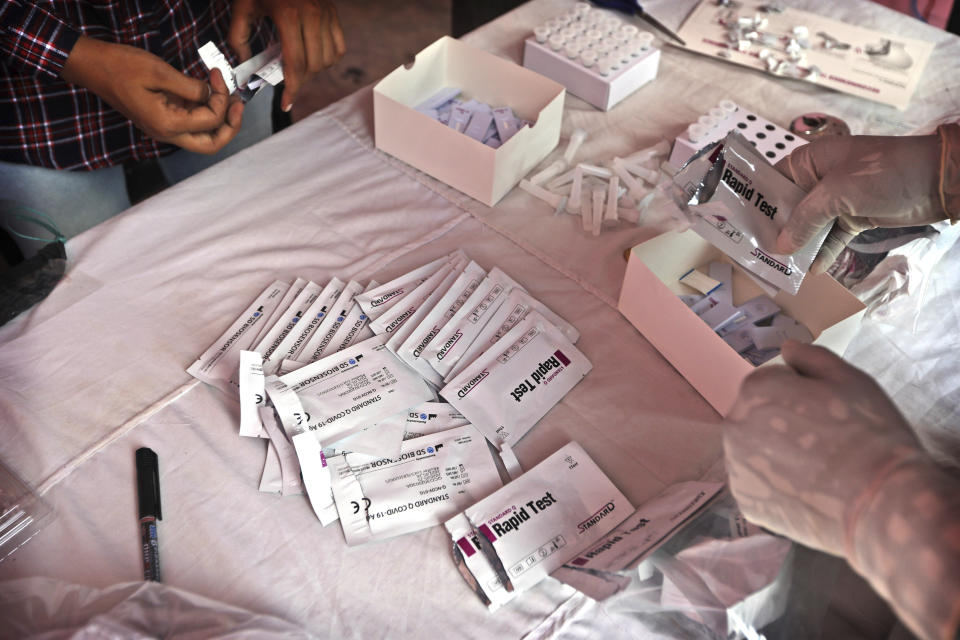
586, 83
466, 164
648, 299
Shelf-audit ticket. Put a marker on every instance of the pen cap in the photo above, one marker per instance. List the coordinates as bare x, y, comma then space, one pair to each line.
148, 483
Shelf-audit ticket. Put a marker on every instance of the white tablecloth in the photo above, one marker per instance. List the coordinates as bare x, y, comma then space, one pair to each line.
98, 369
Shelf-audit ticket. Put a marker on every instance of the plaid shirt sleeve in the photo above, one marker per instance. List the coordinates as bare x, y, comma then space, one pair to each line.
33, 40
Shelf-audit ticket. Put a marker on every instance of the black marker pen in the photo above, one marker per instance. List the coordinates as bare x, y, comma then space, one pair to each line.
148, 494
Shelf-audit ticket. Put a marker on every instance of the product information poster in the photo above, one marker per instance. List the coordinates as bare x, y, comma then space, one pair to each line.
870, 64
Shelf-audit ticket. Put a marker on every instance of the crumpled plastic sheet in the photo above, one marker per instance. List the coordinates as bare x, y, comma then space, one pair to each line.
48, 609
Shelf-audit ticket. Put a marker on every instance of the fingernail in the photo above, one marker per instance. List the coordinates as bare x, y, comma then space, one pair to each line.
287, 108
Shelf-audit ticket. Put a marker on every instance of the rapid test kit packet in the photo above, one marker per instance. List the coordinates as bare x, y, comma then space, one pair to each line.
524, 531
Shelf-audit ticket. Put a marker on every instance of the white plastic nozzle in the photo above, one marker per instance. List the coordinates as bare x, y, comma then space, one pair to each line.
539, 192
662, 148
599, 195
576, 139
554, 169
576, 192
594, 170
635, 189
613, 196
649, 176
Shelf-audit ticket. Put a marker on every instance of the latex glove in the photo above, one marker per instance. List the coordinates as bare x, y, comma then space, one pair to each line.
160, 101
817, 451
310, 37
863, 182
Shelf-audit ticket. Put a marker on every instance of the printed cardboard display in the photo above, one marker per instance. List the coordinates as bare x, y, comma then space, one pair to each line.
466, 164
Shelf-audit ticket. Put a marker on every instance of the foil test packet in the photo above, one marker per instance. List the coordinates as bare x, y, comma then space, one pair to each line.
550, 514
739, 203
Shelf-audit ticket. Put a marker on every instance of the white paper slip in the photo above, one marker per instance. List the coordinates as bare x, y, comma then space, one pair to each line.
281, 308
422, 310
375, 301
330, 325
413, 348
649, 526
219, 364
512, 385
294, 342
433, 478
353, 389
313, 466
534, 524
443, 352
396, 317
270, 340
516, 307
354, 328
252, 394
248, 78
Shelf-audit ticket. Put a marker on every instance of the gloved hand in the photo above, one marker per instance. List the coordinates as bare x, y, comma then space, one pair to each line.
816, 451
863, 182
804, 442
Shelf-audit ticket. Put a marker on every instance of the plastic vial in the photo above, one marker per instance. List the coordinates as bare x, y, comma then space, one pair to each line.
556, 42
697, 132
564, 19
645, 38
572, 50
728, 106
629, 30
541, 33
708, 121
595, 35
588, 58
717, 113
582, 8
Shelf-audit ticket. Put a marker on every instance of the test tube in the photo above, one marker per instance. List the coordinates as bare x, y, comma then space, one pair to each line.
645, 38
718, 113
728, 106
576, 192
613, 195
697, 132
541, 33
588, 58
708, 121
556, 42
568, 33
572, 50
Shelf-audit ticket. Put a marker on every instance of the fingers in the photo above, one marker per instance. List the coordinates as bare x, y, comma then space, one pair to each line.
813, 213
289, 29
817, 362
243, 15
212, 141
835, 242
166, 78
311, 40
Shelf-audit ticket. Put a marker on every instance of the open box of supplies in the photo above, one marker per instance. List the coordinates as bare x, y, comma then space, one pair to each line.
648, 299
466, 164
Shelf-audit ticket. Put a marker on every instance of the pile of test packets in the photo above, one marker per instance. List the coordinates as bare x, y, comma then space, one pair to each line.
486, 124
755, 329
344, 379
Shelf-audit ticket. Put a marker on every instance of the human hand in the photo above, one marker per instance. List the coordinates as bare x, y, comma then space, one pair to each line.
160, 101
806, 443
310, 37
863, 182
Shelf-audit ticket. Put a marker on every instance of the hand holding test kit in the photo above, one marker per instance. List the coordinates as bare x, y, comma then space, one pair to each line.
740, 203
